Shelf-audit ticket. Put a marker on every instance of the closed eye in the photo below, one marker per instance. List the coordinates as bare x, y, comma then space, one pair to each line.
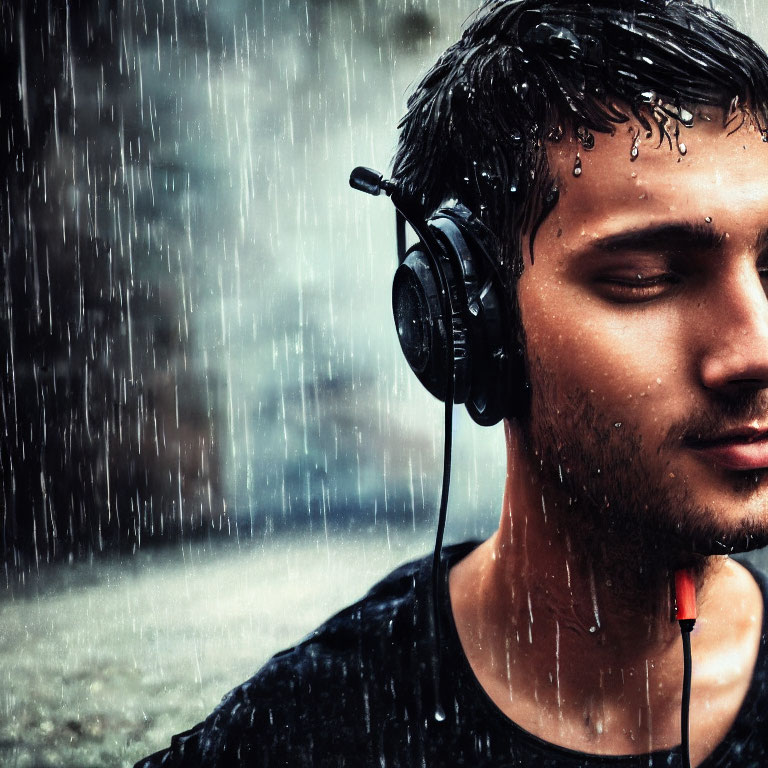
638, 288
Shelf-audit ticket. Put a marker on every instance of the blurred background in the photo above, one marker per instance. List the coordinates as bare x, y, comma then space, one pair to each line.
209, 438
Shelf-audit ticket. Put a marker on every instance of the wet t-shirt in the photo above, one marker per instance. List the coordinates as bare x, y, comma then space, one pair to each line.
359, 691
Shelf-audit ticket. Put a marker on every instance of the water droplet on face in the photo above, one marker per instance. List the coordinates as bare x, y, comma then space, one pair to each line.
683, 149
708, 219
577, 166
617, 424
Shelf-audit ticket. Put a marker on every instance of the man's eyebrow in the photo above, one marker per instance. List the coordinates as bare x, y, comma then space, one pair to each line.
675, 236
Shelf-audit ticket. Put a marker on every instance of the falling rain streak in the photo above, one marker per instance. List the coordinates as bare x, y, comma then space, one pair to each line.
198, 351
197, 331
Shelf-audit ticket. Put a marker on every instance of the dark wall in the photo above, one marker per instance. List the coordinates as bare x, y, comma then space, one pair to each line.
104, 443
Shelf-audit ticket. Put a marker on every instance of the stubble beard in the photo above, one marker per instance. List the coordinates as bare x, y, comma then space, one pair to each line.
621, 511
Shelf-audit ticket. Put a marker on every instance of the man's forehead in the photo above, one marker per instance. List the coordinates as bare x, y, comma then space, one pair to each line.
714, 174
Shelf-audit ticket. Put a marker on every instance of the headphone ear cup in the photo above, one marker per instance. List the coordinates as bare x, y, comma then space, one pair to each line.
486, 377
482, 305
420, 322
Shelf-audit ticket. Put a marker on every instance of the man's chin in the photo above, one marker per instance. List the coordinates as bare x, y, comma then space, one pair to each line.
727, 544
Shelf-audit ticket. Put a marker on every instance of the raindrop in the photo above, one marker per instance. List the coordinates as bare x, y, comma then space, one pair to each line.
556, 134
595, 609
586, 138
599, 727
557, 666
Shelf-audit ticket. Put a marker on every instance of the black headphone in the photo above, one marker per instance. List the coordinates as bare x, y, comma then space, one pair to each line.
449, 306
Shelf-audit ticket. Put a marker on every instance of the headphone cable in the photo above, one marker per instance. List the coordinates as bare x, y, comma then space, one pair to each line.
450, 393
685, 629
685, 613
436, 555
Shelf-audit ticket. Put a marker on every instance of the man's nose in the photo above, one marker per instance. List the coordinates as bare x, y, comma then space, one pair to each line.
736, 356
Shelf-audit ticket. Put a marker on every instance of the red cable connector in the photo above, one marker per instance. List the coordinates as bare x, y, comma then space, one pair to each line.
685, 595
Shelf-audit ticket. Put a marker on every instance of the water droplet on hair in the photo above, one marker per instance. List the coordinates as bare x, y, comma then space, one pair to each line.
556, 134
585, 137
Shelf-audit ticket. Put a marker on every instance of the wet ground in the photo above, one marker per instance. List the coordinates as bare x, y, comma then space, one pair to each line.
101, 664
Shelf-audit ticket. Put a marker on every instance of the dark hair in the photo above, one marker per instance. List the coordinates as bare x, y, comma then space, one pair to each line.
528, 71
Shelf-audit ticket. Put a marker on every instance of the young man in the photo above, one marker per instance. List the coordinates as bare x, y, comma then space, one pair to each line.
617, 151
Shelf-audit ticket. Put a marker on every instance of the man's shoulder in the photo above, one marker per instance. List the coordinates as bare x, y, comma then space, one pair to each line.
328, 693
389, 615
387, 611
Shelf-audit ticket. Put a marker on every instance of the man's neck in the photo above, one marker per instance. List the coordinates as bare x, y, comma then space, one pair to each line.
574, 646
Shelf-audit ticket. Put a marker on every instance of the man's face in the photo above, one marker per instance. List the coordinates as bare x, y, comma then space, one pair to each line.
646, 325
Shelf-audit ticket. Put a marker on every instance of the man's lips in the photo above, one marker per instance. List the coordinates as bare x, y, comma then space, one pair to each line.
741, 449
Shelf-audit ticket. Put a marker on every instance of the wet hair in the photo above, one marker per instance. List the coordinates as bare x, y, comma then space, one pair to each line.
530, 71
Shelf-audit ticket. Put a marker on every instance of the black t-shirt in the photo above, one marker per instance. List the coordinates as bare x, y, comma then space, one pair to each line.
359, 691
